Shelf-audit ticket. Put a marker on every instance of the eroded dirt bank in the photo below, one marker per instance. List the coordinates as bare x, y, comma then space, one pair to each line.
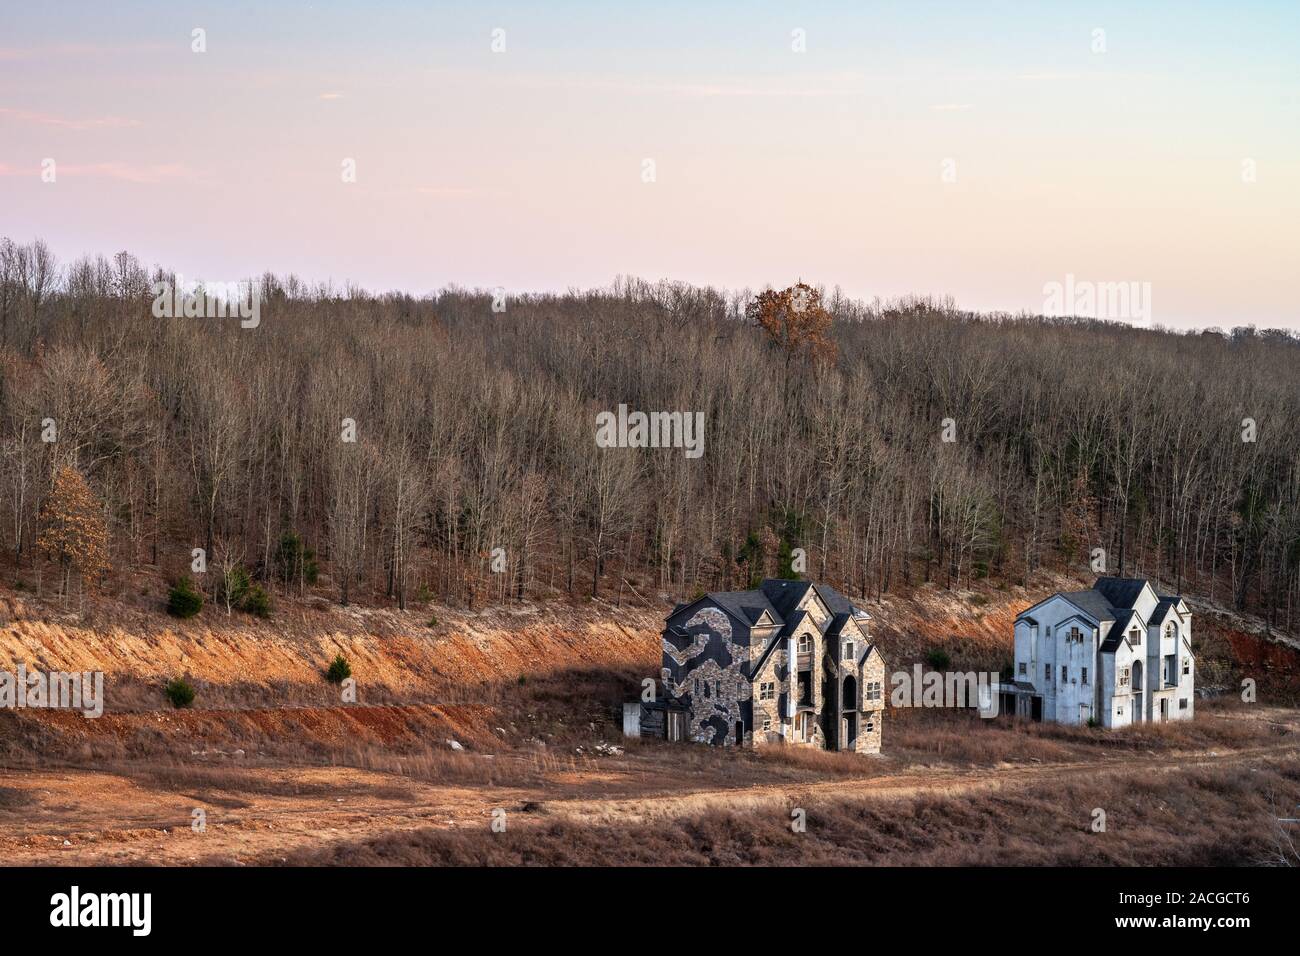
398, 652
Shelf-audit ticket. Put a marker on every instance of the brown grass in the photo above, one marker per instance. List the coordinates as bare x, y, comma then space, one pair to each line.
1184, 818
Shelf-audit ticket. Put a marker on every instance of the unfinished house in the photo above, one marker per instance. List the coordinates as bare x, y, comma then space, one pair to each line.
789, 662
1118, 653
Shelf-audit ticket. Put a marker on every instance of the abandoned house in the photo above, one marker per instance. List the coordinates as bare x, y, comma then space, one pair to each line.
789, 662
1118, 653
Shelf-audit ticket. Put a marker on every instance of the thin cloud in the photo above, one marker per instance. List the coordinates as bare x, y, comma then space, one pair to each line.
77, 50
1048, 77
952, 107
331, 96
700, 89
456, 192
443, 192
49, 119
126, 172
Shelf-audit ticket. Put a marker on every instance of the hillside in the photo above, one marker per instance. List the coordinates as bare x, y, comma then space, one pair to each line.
400, 449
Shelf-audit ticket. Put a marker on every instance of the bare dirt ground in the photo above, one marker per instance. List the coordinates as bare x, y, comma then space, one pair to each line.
259, 811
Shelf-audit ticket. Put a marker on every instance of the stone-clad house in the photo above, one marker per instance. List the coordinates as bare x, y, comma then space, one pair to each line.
1118, 653
788, 662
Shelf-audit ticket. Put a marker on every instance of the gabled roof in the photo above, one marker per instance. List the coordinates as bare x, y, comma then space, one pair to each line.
837, 625
1162, 610
792, 622
1092, 603
1120, 592
779, 600
1123, 620
746, 606
785, 595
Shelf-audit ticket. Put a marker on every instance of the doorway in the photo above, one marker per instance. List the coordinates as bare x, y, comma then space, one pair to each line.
801, 727
676, 726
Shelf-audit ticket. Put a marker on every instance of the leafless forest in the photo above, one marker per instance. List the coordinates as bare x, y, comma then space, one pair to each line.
474, 431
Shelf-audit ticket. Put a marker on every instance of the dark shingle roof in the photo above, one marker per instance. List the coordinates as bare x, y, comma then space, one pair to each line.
747, 606
1092, 603
780, 598
785, 595
1162, 609
837, 625
792, 622
1120, 592
1122, 621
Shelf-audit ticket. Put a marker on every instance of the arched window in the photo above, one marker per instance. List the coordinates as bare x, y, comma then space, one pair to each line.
805, 644
850, 698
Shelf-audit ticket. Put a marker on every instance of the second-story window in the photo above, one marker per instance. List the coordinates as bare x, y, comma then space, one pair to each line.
767, 690
1083, 676
1076, 635
805, 644
1065, 673
848, 650
1024, 667
1047, 672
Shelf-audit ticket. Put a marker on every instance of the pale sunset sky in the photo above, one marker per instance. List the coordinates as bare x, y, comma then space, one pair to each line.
978, 150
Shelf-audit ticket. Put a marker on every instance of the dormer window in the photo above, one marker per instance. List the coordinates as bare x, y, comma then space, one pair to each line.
805, 644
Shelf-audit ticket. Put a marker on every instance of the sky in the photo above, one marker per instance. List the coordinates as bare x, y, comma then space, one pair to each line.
979, 150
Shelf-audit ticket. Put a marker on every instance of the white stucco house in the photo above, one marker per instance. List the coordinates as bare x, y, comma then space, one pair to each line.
1118, 653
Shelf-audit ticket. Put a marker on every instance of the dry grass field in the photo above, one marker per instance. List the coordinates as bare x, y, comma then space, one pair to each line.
951, 789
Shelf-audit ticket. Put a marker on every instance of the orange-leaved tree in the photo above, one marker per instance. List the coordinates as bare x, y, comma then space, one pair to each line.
795, 322
72, 529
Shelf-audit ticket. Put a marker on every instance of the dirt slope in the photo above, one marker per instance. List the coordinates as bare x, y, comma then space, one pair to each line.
387, 649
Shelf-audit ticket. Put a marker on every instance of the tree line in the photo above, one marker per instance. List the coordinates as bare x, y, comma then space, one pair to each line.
877, 444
